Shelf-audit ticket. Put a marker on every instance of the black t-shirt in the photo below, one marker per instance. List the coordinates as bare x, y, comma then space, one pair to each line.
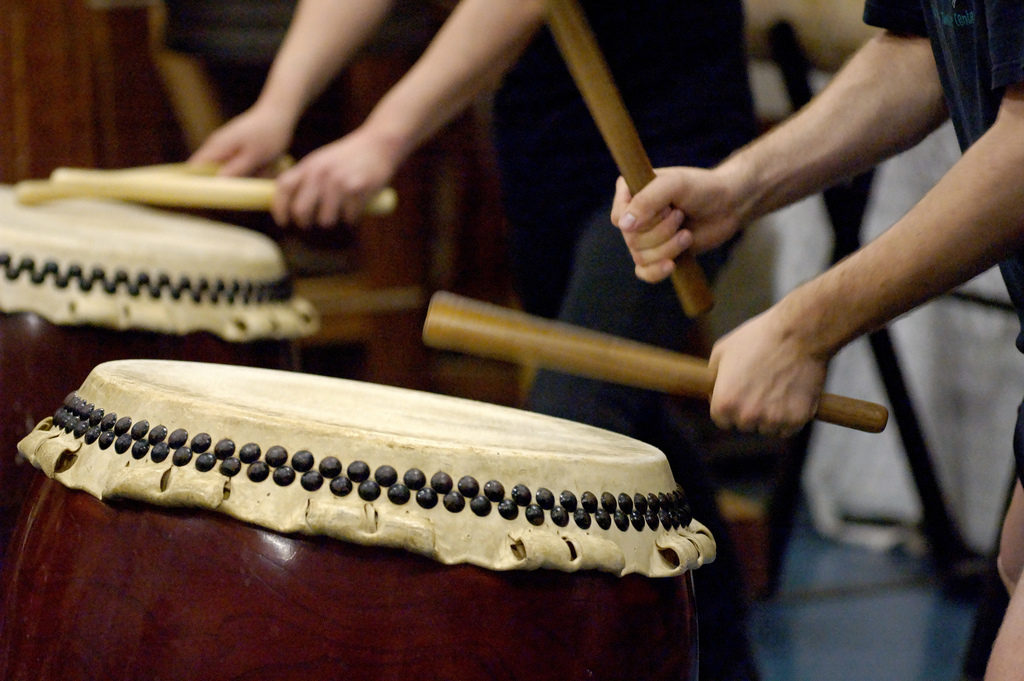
681, 68
979, 50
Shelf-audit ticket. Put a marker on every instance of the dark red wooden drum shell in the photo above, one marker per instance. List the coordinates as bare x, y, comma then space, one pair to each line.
84, 282
340, 530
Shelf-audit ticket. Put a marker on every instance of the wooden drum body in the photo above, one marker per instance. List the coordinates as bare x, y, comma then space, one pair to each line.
84, 282
360, 531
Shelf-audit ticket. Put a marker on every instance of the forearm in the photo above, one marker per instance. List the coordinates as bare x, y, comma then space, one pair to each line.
478, 43
885, 100
322, 37
968, 222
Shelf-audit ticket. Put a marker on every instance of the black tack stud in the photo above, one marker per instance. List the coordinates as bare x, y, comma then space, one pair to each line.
95, 417
398, 494
80, 428
284, 476
201, 442
159, 452
494, 491
568, 500
181, 456
415, 479
258, 472
521, 495
205, 462
276, 456
664, 500
311, 481
369, 490
559, 516
685, 514
508, 509
249, 452
224, 448
140, 429
637, 518
359, 471
123, 443
535, 514
330, 467
480, 505
603, 518
653, 503
468, 486
652, 519
123, 425
385, 476
621, 520
177, 438
626, 503
441, 482
157, 434
302, 460
140, 449
545, 499
230, 466
108, 421
426, 497
582, 518
341, 487
589, 501
665, 517
83, 410
454, 502
91, 435
640, 502
107, 438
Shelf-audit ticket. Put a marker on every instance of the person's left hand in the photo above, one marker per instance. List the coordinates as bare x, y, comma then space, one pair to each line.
765, 379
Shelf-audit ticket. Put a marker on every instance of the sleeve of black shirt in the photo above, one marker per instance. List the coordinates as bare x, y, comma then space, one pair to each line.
898, 16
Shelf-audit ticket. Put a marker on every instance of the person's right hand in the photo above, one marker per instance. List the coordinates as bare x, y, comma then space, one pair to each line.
249, 144
682, 208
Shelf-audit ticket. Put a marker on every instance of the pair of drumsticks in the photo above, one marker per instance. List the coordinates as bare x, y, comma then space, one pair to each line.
470, 326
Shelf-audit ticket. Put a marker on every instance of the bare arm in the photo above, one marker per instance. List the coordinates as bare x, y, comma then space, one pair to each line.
968, 222
478, 43
322, 37
886, 99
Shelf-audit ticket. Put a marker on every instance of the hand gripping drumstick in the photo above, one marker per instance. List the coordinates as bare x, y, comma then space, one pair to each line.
582, 55
457, 323
170, 186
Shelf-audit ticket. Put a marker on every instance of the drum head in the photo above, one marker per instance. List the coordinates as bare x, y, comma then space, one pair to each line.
452, 479
125, 266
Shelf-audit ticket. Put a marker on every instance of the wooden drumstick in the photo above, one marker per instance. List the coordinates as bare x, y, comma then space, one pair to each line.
457, 323
169, 189
582, 55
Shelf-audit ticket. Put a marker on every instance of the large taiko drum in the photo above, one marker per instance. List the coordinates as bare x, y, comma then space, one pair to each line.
86, 281
219, 522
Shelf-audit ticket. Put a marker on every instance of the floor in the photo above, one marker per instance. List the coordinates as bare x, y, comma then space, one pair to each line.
848, 613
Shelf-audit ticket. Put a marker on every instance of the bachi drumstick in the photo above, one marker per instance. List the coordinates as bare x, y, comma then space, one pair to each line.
582, 55
171, 187
466, 325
